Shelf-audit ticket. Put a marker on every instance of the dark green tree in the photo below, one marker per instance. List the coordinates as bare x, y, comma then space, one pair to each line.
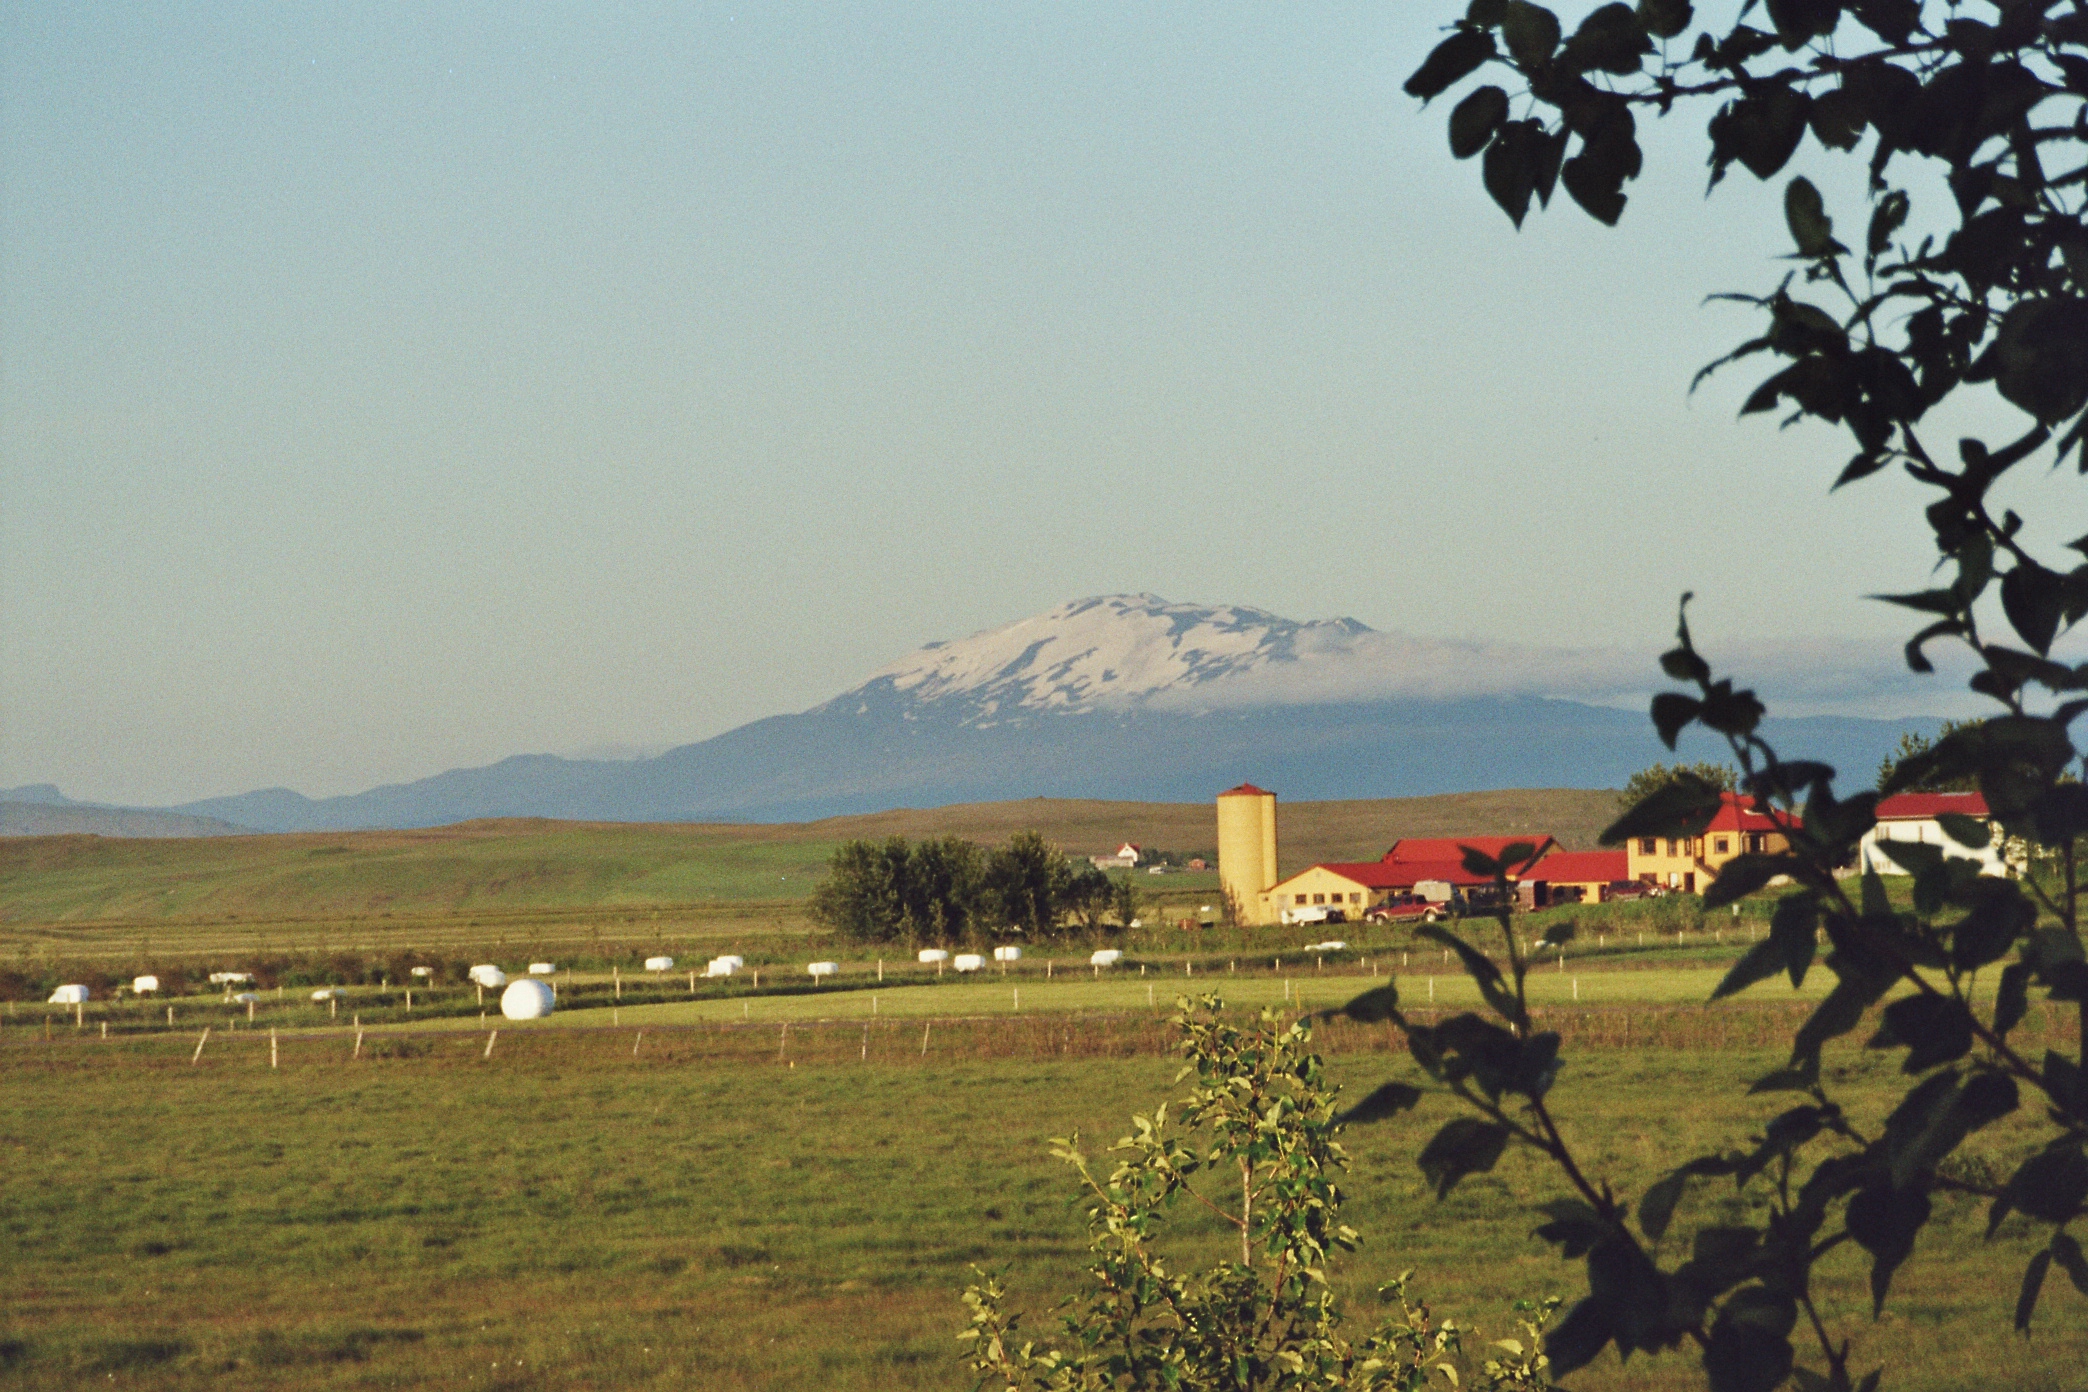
894, 891
1911, 746
1648, 781
1991, 98
1028, 887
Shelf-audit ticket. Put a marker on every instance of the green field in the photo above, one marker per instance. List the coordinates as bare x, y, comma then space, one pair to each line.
694, 1206
531, 869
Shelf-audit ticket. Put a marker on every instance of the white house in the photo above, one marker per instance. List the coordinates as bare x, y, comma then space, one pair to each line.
1917, 817
1126, 856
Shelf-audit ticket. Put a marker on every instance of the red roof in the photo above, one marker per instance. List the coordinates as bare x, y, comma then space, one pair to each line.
1413, 849
1582, 867
1246, 790
1405, 874
1738, 814
1921, 806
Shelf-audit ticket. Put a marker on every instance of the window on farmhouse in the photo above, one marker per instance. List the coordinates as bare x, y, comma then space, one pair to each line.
1719, 845
1646, 845
1319, 898
1355, 898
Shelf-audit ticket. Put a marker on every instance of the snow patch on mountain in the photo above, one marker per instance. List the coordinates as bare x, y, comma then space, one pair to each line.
1141, 651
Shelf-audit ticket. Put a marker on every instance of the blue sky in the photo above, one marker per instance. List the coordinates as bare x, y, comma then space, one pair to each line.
389, 388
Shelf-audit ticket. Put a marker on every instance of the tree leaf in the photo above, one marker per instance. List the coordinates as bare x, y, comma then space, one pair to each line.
1744, 874
1376, 1005
1574, 1341
1684, 806
1387, 1100
1464, 1146
1452, 60
2035, 601
1884, 1221
1664, 19
2033, 1282
1807, 218
1673, 711
2012, 997
1531, 33
1474, 120
1760, 962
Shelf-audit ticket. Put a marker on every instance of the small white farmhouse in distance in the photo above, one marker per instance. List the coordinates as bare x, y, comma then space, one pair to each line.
1907, 817
1124, 859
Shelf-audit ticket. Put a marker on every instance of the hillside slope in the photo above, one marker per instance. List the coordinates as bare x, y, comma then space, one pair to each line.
534, 864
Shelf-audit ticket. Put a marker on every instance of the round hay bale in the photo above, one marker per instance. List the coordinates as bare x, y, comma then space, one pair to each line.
824, 968
542, 968
142, 984
527, 999
489, 976
73, 994
1007, 954
932, 955
659, 964
968, 962
1106, 957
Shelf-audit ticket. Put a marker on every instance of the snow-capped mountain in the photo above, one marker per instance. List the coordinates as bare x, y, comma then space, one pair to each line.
1122, 696
1114, 650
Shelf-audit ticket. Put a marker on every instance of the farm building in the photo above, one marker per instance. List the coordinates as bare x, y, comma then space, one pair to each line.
1573, 877
1690, 863
1431, 866
1126, 856
1247, 853
1917, 817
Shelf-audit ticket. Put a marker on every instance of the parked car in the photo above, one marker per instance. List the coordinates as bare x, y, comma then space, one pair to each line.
1312, 913
1407, 908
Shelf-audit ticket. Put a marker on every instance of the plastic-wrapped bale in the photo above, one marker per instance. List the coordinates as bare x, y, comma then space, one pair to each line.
1330, 945
230, 978
932, 955
422, 972
732, 960
1106, 957
488, 975
1007, 954
824, 968
140, 985
659, 964
247, 998
542, 968
722, 966
968, 962
326, 993
528, 999
74, 994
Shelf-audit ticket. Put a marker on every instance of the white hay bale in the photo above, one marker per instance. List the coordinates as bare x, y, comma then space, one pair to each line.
142, 984
327, 993
824, 968
489, 976
542, 968
659, 964
1007, 954
1105, 957
968, 962
527, 999
230, 978
721, 966
932, 955
732, 960
1331, 945
247, 998
74, 994
423, 971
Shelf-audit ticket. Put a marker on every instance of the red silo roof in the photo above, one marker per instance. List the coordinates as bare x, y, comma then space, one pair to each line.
1246, 790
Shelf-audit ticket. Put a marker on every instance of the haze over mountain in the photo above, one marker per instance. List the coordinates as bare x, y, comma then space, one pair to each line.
1131, 697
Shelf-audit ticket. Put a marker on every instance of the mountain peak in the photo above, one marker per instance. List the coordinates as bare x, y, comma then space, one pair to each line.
1104, 651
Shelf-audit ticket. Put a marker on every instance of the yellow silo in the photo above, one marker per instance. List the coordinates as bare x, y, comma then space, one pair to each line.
1247, 851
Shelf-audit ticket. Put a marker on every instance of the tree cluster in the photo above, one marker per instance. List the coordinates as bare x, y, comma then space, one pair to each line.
947, 892
1648, 781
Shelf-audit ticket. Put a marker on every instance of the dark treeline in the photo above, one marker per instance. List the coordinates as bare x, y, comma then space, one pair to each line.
948, 892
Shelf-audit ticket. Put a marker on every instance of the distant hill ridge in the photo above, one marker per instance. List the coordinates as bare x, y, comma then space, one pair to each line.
1124, 697
535, 864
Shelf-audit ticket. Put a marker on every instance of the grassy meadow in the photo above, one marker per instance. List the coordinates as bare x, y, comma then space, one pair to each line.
755, 1184
695, 1206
